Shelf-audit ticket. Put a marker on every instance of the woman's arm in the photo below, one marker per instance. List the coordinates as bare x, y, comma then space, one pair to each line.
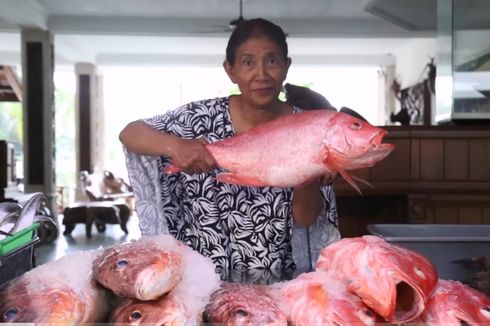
190, 155
307, 203
142, 139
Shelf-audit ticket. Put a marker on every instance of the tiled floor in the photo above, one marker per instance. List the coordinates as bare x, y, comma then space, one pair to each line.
78, 241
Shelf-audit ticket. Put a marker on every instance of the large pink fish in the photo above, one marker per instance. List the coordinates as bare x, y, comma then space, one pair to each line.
58, 292
244, 304
298, 148
453, 303
152, 266
318, 299
395, 282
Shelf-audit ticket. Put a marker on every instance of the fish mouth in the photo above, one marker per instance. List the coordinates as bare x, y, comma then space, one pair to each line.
409, 302
151, 283
377, 142
377, 139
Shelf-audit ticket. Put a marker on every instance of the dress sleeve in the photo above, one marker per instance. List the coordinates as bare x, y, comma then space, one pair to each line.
307, 242
177, 122
152, 190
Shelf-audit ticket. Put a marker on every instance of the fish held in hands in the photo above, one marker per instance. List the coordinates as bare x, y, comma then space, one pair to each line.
298, 148
393, 281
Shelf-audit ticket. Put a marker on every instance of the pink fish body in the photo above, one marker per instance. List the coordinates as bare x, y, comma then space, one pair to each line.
318, 299
58, 292
297, 148
393, 281
453, 303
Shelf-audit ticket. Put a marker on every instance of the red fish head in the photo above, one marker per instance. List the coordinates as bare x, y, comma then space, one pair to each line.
166, 310
318, 299
243, 304
395, 282
144, 273
354, 143
46, 307
453, 303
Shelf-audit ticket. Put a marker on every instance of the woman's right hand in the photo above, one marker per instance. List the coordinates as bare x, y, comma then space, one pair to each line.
190, 156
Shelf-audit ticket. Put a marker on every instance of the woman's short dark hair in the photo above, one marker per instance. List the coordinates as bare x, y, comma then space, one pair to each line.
255, 28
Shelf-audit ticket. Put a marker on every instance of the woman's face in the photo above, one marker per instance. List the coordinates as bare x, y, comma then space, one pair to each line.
259, 70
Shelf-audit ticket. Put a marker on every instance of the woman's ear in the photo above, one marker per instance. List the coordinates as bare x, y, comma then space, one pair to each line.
229, 71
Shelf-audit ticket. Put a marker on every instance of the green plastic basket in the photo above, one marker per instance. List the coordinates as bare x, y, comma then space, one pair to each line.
19, 239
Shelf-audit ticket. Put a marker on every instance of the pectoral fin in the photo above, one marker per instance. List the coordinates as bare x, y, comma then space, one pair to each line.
332, 165
237, 180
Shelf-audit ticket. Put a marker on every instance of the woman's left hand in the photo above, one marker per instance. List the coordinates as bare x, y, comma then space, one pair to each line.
307, 202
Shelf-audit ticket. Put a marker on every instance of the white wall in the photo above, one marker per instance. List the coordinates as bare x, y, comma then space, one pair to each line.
411, 60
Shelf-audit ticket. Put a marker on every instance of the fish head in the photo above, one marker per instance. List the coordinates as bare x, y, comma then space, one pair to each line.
454, 303
393, 281
353, 143
243, 304
144, 273
396, 282
316, 298
45, 307
166, 310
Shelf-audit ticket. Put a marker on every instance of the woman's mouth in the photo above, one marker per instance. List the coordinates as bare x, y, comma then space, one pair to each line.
263, 91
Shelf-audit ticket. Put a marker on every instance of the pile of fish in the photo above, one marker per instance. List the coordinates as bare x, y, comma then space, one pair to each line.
158, 280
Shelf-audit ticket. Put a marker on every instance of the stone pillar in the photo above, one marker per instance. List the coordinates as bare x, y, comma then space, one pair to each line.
89, 122
38, 108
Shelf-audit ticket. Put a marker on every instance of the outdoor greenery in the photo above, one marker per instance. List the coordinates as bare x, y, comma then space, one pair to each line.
11, 130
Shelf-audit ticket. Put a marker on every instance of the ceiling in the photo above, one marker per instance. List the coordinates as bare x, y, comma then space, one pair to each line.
126, 32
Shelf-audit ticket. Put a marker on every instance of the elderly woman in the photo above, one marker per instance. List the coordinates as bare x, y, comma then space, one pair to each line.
238, 227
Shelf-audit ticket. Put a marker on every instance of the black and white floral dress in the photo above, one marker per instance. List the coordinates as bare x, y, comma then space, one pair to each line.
238, 227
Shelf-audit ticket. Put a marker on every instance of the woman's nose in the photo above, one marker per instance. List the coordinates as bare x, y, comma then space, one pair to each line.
261, 71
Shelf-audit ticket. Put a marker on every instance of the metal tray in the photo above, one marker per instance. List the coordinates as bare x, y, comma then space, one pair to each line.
440, 243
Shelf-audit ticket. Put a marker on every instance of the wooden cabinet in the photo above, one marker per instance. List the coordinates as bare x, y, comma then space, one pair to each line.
435, 175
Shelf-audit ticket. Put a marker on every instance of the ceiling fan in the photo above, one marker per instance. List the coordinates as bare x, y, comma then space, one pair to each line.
232, 24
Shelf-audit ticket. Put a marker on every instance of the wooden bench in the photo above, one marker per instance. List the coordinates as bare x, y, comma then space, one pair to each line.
109, 202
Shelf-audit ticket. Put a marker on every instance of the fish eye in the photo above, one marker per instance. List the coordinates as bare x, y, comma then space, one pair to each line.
135, 315
356, 125
10, 313
122, 263
241, 313
369, 313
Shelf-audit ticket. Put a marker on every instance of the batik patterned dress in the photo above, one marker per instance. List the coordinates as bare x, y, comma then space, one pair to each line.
238, 227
